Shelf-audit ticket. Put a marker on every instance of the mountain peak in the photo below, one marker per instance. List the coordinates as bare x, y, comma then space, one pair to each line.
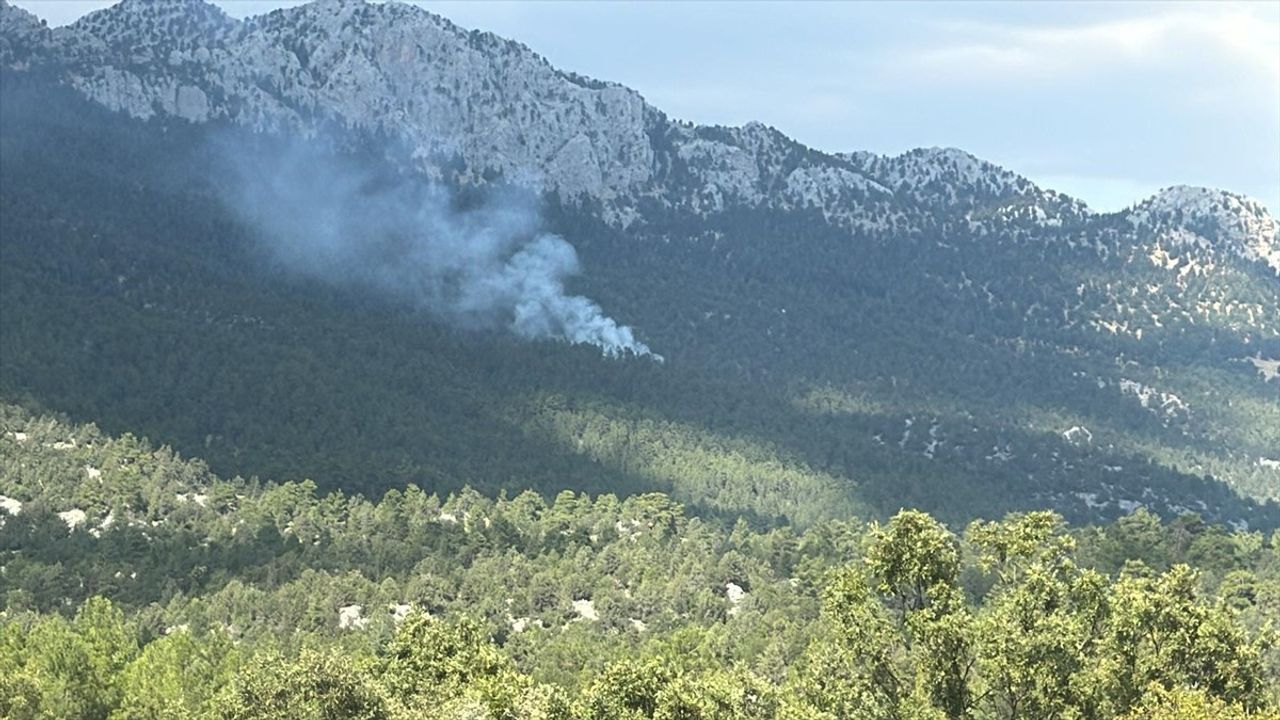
948, 178
153, 10
1195, 198
144, 30
956, 170
12, 16
359, 15
1239, 224
504, 111
20, 33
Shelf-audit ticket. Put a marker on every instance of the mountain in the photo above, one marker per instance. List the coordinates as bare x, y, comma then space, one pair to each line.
491, 104
844, 333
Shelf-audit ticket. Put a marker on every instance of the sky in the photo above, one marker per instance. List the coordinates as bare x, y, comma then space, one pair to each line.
1108, 102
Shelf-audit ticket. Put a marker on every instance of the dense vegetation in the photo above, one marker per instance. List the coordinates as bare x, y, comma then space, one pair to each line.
132, 298
137, 584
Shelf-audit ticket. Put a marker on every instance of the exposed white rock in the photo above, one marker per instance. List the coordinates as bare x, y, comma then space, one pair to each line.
827, 188
586, 610
638, 625
10, 505
351, 617
1269, 463
20, 437
92, 472
906, 433
103, 526
1165, 403
724, 168
1268, 369
394, 68
399, 611
734, 593
1078, 435
74, 517
1129, 506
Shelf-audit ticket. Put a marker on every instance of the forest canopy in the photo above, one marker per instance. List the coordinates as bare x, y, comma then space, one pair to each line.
157, 589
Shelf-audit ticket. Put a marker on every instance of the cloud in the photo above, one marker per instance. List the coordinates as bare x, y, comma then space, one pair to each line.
1240, 38
1105, 97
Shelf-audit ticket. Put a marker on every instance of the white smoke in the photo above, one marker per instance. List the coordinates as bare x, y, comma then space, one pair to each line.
481, 267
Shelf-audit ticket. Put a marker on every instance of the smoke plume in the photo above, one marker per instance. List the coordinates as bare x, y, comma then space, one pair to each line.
486, 266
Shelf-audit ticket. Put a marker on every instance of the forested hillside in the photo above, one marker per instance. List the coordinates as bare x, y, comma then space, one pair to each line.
800, 381
138, 584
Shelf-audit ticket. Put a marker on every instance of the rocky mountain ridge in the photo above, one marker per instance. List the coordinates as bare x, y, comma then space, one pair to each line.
492, 108
1194, 216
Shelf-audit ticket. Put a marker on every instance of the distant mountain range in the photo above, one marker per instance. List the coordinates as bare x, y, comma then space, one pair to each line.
498, 107
845, 332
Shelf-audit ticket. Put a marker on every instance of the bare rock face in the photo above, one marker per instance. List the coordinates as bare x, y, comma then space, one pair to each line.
392, 68
450, 94
487, 109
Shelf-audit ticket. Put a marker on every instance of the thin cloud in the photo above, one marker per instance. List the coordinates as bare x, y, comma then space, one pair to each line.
1238, 39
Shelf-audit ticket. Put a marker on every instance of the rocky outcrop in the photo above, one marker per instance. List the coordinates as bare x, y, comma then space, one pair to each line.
1210, 220
481, 108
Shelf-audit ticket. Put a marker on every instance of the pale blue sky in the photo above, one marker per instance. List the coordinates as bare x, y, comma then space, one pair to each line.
1105, 101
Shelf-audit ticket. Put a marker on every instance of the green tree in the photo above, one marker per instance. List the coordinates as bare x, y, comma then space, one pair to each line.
316, 685
1160, 631
176, 677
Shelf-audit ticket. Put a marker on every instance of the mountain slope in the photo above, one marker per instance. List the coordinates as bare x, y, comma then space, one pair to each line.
844, 333
171, 589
